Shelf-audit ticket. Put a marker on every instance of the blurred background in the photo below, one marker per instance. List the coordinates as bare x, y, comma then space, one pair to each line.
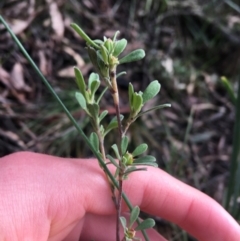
189, 45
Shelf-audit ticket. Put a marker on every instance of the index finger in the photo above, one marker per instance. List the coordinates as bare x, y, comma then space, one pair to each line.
160, 194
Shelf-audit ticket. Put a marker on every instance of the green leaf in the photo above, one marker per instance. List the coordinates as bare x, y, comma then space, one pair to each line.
113, 161
123, 222
140, 149
115, 118
92, 53
154, 108
134, 216
93, 88
93, 77
137, 103
133, 56
145, 160
81, 100
115, 148
98, 41
102, 94
104, 53
102, 66
120, 45
102, 115
93, 110
134, 169
80, 80
151, 91
145, 224
84, 35
112, 125
109, 45
130, 94
124, 144
94, 141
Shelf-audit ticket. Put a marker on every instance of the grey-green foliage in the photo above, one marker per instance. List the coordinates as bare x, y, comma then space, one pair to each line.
104, 55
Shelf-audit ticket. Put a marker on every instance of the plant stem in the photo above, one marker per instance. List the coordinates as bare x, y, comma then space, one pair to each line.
102, 150
115, 96
114, 92
119, 208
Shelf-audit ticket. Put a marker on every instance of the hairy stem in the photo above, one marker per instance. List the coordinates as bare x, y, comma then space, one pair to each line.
115, 96
119, 208
102, 150
114, 91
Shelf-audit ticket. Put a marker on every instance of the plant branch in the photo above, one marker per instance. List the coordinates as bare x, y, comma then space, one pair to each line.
121, 171
102, 150
85, 138
114, 92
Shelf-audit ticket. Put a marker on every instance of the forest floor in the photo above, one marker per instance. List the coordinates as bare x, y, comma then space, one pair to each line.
189, 45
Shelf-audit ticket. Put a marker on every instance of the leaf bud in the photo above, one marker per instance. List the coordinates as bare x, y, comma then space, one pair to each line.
109, 45
128, 158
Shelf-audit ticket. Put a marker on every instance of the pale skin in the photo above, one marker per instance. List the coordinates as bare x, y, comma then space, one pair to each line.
61, 199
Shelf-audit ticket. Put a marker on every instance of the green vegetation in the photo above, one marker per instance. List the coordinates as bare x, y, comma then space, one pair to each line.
189, 46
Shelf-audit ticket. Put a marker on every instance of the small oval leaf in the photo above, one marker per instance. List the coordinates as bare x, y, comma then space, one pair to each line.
123, 222
112, 125
154, 108
115, 148
140, 149
109, 45
94, 141
120, 45
134, 216
80, 80
130, 93
147, 158
133, 56
94, 87
84, 35
92, 53
103, 68
93, 110
104, 53
81, 100
133, 169
124, 144
145, 224
113, 161
93, 77
151, 91
98, 41
137, 103
102, 115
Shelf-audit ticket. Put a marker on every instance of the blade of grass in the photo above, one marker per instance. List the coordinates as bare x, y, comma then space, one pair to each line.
229, 89
233, 5
234, 178
114, 181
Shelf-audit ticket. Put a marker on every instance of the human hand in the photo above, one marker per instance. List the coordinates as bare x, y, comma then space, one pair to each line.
50, 198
